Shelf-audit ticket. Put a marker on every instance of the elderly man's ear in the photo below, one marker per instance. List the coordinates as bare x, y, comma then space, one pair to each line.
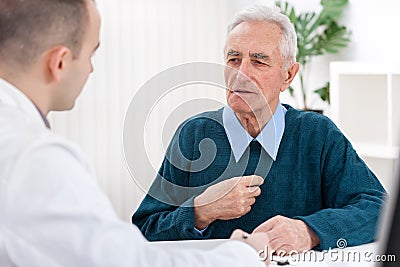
289, 75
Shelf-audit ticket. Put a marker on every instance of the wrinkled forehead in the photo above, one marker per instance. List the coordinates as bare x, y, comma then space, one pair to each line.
254, 37
257, 27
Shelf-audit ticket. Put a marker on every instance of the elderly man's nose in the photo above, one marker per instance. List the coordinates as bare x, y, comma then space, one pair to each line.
243, 71
242, 75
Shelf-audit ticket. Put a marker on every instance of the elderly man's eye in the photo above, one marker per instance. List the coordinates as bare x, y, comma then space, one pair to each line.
233, 60
257, 62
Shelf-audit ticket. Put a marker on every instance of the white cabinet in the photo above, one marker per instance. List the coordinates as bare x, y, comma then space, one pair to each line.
365, 105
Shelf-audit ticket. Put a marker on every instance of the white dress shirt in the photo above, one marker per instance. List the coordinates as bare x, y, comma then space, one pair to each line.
53, 213
269, 138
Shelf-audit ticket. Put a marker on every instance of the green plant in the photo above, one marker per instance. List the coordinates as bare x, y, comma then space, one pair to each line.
317, 34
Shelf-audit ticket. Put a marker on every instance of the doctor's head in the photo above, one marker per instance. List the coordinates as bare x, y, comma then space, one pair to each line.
260, 58
46, 48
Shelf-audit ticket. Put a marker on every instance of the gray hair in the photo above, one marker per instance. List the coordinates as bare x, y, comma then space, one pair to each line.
288, 44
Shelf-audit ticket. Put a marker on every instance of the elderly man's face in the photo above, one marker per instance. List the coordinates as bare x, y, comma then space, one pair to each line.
253, 72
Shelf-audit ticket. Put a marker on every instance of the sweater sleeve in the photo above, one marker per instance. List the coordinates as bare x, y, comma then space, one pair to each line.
160, 221
166, 212
352, 195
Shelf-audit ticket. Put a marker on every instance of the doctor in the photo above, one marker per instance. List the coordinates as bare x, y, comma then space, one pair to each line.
52, 212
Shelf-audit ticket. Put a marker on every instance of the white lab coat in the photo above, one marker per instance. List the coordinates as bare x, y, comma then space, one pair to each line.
53, 213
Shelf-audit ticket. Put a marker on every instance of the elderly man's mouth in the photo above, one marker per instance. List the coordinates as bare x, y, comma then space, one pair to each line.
243, 92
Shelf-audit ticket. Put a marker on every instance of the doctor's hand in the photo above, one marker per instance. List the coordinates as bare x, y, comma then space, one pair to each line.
286, 235
226, 200
259, 241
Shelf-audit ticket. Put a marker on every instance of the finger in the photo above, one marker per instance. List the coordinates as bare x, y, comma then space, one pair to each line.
276, 237
262, 237
279, 243
237, 234
284, 249
252, 180
250, 201
240, 210
265, 226
247, 210
254, 191
246, 202
256, 180
259, 241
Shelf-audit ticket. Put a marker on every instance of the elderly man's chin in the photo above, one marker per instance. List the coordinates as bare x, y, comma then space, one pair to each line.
242, 105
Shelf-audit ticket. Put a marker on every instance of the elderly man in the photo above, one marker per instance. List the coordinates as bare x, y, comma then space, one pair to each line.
52, 212
288, 173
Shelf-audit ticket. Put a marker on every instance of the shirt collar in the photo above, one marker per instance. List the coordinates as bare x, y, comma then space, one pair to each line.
270, 136
10, 95
44, 119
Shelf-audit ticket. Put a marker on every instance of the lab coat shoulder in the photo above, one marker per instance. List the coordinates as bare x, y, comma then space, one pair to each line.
32, 157
46, 165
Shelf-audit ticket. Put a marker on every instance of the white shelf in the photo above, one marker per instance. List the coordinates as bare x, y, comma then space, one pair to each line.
365, 105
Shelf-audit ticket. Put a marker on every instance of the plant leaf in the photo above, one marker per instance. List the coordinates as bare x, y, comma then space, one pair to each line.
317, 34
288, 10
291, 90
333, 9
332, 39
324, 92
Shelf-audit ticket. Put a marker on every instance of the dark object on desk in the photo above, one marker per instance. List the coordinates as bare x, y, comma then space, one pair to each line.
283, 262
391, 226
280, 260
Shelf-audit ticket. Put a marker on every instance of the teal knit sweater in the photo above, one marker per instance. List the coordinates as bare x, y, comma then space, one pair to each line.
317, 177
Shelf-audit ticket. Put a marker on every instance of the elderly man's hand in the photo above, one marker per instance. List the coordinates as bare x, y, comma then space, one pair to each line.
226, 200
286, 235
259, 241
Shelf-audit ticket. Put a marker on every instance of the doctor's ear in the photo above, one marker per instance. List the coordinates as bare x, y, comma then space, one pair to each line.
290, 73
58, 58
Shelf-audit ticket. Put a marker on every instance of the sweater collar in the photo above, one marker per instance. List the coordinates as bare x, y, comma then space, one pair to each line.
269, 138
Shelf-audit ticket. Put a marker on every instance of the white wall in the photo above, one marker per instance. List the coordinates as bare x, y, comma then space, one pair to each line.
142, 37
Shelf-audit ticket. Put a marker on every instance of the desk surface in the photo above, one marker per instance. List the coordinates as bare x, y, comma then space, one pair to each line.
364, 255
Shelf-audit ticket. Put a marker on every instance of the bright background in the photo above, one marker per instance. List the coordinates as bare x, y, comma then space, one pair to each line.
143, 37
